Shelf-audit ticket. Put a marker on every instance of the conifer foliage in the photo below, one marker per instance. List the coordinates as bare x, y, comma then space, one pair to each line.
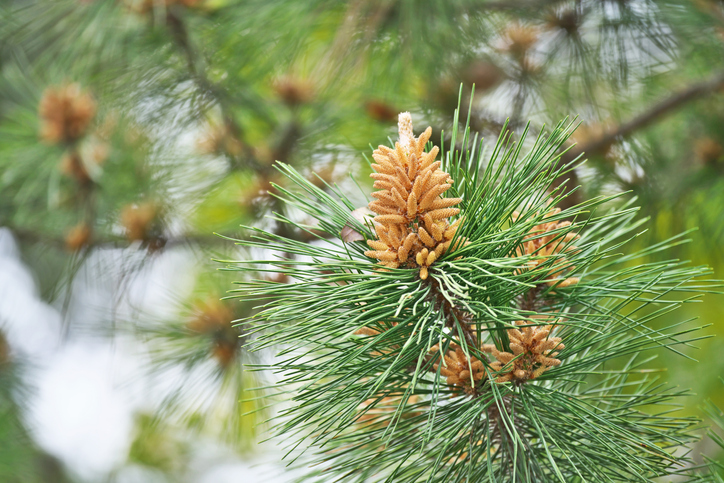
480, 324
465, 337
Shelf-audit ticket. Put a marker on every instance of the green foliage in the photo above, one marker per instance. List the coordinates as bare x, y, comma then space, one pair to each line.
196, 100
369, 402
156, 447
214, 396
21, 460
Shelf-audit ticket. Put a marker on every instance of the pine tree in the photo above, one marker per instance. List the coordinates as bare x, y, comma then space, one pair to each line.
133, 131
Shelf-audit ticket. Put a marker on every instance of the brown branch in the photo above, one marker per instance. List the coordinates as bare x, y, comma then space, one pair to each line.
529, 300
289, 138
453, 314
180, 35
496, 422
110, 241
28, 236
529, 5
643, 120
646, 118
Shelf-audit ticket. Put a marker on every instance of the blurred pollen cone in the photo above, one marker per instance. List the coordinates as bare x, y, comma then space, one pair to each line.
65, 113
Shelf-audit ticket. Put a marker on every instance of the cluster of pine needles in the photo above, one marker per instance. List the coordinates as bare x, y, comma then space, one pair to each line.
472, 331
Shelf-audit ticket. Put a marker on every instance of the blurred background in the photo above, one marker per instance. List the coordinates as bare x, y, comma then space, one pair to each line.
131, 131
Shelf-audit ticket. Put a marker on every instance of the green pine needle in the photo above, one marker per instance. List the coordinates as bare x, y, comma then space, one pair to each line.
358, 347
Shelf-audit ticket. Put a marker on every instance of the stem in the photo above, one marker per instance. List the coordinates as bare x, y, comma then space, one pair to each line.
462, 323
529, 300
495, 419
181, 37
673, 102
646, 118
527, 5
453, 314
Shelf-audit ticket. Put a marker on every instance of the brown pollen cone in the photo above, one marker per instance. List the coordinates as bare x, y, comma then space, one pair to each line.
457, 368
294, 91
533, 352
484, 74
213, 318
145, 6
519, 39
220, 140
380, 110
65, 113
412, 224
541, 244
708, 150
77, 237
136, 219
567, 20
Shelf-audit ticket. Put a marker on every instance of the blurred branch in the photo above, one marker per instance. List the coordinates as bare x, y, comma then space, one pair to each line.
110, 241
25, 236
536, 5
181, 37
287, 142
646, 118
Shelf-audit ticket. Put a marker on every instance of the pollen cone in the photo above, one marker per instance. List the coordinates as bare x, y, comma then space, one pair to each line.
413, 216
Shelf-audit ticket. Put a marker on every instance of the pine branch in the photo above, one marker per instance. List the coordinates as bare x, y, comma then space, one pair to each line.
388, 350
30, 236
109, 241
285, 145
525, 5
655, 113
181, 37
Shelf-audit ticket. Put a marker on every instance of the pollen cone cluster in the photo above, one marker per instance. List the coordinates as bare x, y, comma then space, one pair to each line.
541, 245
137, 220
220, 140
533, 353
65, 113
77, 237
412, 215
212, 318
456, 368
